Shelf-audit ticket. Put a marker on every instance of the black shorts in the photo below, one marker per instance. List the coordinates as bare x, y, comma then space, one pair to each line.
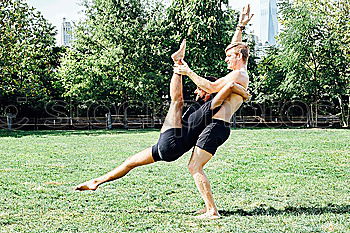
213, 136
198, 121
170, 145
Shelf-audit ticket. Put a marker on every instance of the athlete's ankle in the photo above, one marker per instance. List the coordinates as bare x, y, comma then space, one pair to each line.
213, 211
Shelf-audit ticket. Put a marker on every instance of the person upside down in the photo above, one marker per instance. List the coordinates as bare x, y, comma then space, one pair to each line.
204, 126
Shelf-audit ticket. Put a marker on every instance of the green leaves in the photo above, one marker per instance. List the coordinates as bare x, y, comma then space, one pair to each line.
311, 62
27, 53
122, 50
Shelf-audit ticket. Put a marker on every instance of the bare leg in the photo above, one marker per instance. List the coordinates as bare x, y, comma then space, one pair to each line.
202, 211
198, 160
173, 118
142, 158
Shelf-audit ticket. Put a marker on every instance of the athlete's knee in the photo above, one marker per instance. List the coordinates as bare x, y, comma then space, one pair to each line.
199, 158
130, 163
194, 167
177, 103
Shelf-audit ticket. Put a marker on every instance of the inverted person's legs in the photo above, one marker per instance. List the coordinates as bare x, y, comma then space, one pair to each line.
173, 120
173, 117
142, 158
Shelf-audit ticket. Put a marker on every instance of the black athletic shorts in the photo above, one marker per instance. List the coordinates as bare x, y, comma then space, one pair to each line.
170, 145
213, 136
198, 121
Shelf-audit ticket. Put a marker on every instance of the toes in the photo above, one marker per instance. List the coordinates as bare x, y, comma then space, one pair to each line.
82, 188
78, 189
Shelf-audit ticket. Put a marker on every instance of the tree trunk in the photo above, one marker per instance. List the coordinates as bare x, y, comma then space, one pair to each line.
308, 119
344, 113
125, 118
341, 109
312, 116
348, 113
316, 113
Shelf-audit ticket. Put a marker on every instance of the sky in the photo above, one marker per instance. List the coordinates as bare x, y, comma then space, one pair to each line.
55, 10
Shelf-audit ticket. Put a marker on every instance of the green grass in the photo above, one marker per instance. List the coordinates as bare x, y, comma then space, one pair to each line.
263, 180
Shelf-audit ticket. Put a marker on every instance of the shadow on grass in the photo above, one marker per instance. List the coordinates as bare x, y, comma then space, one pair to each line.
152, 211
189, 213
270, 211
40, 133
331, 208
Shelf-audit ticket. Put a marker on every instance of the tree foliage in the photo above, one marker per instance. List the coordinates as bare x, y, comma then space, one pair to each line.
105, 62
28, 55
122, 50
311, 61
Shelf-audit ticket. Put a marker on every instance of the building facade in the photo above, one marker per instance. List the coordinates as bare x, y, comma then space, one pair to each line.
67, 33
268, 22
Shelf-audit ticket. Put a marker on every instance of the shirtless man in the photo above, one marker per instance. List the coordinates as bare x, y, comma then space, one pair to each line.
217, 132
178, 134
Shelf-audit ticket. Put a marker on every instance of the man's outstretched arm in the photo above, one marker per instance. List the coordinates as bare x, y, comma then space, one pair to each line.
206, 85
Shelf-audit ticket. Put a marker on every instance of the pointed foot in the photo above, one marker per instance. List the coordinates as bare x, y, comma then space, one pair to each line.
90, 185
202, 211
179, 54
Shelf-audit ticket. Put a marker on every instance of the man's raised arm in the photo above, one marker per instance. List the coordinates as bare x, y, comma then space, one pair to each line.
243, 21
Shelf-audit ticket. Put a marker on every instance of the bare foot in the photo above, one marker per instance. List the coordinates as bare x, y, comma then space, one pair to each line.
208, 216
179, 54
202, 211
89, 185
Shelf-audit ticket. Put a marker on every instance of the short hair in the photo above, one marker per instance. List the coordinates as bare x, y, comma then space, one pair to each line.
239, 47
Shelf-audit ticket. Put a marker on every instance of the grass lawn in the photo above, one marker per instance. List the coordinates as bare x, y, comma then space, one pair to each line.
263, 180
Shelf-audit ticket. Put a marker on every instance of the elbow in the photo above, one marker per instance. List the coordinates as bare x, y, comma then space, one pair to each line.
237, 86
213, 88
208, 89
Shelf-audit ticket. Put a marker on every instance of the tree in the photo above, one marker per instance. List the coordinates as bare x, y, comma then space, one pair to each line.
271, 74
338, 25
311, 62
106, 60
28, 55
122, 50
313, 51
